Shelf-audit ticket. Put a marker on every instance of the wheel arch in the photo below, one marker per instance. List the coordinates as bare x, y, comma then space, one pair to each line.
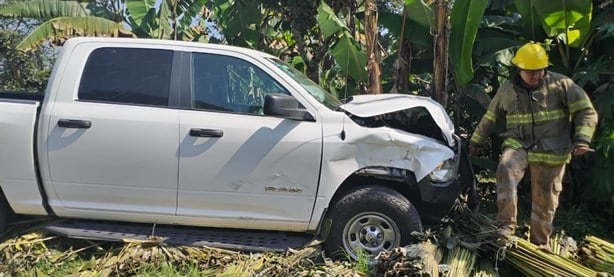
401, 180
398, 179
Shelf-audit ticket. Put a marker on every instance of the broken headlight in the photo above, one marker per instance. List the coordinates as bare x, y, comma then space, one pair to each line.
445, 171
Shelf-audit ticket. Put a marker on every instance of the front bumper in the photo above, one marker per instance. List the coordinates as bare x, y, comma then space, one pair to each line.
439, 193
438, 198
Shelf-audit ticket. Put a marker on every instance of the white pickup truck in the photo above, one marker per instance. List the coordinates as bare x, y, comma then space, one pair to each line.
168, 132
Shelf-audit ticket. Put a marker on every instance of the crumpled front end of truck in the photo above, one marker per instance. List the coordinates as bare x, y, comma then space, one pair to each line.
411, 139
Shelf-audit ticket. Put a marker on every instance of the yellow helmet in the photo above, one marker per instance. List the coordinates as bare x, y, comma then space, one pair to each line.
531, 56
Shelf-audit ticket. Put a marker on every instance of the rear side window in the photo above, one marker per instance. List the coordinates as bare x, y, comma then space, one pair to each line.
127, 75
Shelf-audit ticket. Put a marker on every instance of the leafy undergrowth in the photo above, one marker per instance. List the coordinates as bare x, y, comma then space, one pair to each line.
29, 251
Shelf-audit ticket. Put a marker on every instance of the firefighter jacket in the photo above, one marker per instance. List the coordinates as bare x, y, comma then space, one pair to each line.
546, 120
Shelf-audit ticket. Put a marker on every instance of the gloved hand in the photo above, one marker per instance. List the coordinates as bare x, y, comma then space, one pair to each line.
472, 149
580, 149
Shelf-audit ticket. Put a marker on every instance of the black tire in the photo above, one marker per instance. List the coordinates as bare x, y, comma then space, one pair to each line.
4, 212
370, 219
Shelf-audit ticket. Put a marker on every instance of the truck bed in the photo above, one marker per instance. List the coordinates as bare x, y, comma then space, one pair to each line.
18, 178
37, 96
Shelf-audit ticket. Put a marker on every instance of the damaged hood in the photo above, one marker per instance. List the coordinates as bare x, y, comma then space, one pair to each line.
369, 105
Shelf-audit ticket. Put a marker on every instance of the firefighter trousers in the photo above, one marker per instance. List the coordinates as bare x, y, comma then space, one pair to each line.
546, 186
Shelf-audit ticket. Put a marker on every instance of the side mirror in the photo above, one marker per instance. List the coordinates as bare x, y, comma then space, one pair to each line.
282, 105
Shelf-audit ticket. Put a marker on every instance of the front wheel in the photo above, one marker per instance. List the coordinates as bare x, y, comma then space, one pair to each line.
369, 220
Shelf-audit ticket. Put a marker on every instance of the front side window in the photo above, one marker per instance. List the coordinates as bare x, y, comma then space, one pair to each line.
225, 83
127, 75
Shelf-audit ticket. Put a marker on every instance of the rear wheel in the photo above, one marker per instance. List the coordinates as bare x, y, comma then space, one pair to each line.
369, 220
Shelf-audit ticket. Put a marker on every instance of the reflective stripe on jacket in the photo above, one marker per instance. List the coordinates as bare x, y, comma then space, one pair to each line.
541, 119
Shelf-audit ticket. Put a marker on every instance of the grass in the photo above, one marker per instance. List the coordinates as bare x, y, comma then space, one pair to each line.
361, 265
579, 222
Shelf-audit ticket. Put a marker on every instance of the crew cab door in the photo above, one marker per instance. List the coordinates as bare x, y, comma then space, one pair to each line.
112, 144
239, 167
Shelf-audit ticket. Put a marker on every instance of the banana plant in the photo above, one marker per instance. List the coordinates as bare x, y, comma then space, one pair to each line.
567, 22
238, 22
465, 19
346, 51
167, 19
62, 19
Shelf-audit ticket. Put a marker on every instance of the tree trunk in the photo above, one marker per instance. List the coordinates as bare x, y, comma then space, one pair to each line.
402, 64
373, 61
440, 61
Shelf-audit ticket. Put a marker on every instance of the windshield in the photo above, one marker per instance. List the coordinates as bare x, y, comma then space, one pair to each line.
312, 88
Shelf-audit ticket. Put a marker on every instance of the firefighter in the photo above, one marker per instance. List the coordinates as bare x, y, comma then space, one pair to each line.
548, 119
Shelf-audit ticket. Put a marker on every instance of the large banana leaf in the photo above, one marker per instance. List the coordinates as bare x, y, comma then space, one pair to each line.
349, 57
44, 9
478, 94
61, 28
142, 17
465, 19
164, 19
345, 50
418, 24
494, 46
242, 28
328, 22
139, 9
165, 30
416, 33
568, 19
530, 20
238, 21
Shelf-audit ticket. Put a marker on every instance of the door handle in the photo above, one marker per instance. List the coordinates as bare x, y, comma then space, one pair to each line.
74, 123
206, 133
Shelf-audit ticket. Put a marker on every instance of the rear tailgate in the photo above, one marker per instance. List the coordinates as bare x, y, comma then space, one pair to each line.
18, 177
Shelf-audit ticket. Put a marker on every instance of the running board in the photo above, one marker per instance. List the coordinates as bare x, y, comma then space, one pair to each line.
250, 240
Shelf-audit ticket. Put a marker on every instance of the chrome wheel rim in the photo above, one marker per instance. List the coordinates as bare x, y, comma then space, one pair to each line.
369, 234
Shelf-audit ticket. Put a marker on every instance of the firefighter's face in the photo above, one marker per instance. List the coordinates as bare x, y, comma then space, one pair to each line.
532, 77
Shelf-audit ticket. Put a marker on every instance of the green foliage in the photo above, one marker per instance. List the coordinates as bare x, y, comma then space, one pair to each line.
601, 186
420, 20
568, 21
20, 71
578, 221
362, 264
60, 28
44, 9
531, 21
64, 19
464, 20
143, 17
166, 19
350, 58
238, 21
